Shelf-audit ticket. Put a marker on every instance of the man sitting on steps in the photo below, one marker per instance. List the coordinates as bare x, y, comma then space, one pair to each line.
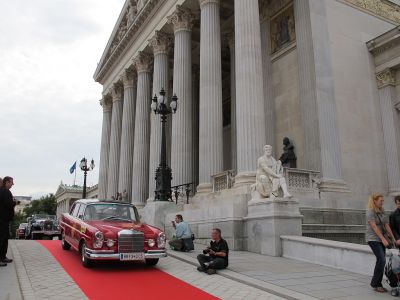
183, 240
214, 257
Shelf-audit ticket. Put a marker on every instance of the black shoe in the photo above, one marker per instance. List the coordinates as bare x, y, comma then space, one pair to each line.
211, 271
2, 264
201, 269
7, 260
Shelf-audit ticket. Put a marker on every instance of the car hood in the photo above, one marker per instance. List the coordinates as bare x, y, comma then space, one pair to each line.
111, 228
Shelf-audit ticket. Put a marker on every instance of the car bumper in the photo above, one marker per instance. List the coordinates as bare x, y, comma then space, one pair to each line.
110, 255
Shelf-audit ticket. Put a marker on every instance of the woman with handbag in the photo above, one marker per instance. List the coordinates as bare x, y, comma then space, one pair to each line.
379, 236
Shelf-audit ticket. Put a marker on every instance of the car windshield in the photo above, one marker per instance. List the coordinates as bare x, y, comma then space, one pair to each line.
110, 212
22, 226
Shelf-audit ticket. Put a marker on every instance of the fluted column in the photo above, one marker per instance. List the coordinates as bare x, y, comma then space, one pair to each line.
106, 103
142, 131
129, 80
181, 142
160, 44
269, 104
195, 122
250, 118
391, 126
210, 106
231, 44
316, 91
115, 140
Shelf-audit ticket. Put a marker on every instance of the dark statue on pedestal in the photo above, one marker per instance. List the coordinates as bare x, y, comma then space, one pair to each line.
288, 157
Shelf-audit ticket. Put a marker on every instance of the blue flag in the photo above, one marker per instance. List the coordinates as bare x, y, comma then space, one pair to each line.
72, 169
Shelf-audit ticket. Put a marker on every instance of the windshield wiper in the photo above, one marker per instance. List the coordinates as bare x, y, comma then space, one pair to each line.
116, 218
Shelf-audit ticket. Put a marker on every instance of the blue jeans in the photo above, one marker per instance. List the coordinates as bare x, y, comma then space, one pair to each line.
379, 250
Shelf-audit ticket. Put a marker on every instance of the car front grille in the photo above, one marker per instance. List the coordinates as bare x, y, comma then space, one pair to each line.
130, 241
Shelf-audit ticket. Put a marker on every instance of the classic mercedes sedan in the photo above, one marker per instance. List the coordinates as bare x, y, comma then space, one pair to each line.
110, 230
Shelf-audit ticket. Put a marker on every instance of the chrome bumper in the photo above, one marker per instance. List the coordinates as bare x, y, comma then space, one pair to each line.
111, 255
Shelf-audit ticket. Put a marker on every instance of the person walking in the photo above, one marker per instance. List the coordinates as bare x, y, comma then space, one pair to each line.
394, 220
7, 205
379, 237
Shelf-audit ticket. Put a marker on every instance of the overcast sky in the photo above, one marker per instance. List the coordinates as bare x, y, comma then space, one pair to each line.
49, 110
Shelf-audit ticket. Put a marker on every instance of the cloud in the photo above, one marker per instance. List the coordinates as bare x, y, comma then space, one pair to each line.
49, 110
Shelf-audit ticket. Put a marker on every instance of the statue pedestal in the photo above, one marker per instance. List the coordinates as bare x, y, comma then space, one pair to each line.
267, 220
154, 212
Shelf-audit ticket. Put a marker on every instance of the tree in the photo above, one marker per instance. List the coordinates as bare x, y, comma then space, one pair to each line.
45, 205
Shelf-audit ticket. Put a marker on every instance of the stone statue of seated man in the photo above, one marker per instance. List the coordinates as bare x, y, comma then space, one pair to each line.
269, 177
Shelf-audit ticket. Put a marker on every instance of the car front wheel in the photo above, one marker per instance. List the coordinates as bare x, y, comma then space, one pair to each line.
86, 262
151, 261
64, 243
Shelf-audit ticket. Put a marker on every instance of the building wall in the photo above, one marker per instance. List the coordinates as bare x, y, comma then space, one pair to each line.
287, 108
356, 93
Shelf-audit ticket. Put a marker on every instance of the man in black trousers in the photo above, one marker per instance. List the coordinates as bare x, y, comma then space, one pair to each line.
7, 205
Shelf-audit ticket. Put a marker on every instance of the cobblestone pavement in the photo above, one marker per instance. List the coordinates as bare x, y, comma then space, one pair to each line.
281, 275
42, 277
9, 279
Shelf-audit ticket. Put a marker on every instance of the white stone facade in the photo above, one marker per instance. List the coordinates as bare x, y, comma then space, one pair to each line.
267, 69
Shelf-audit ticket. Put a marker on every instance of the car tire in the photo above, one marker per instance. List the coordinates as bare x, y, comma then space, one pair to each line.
152, 261
86, 262
64, 243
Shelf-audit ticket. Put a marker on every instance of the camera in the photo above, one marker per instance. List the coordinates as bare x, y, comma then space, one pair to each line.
206, 251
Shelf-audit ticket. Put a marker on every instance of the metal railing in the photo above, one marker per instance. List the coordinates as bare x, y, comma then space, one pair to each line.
186, 189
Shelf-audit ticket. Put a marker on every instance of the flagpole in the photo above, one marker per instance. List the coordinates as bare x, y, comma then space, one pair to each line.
75, 177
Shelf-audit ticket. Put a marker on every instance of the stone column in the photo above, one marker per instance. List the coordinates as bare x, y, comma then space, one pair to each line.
195, 122
181, 142
160, 43
231, 44
210, 114
390, 122
142, 131
269, 104
129, 80
250, 118
115, 140
106, 103
316, 91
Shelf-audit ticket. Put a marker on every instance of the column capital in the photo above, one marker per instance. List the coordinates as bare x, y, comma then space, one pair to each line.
385, 78
129, 78
182, 19
106, 103
205, 2
117, 91
143, 62
161, 42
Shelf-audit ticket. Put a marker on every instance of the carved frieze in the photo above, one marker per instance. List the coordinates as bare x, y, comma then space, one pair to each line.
385, 78
282, 29
385, 9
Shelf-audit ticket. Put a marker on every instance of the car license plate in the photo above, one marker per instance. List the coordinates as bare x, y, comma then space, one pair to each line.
131, 256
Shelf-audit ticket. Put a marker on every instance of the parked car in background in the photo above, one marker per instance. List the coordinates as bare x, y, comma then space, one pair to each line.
20, 232
110, 230
42, 227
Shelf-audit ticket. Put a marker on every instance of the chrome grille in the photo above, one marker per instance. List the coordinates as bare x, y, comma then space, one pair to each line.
130, 241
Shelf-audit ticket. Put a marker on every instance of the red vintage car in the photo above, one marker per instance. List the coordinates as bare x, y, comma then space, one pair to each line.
110, 230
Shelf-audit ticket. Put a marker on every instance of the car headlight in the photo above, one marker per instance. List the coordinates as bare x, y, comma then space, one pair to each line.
161, 240
110, 243
98, 239
151, 242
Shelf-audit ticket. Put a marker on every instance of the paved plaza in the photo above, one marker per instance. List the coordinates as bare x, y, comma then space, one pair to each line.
35, 274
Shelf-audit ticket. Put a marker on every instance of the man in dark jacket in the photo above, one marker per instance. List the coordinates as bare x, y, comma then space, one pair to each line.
394, 220
7, 205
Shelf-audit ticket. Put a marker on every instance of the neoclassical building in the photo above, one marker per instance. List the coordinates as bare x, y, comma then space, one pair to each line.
248, 73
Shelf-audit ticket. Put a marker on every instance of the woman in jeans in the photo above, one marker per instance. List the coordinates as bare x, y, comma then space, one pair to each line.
377, 225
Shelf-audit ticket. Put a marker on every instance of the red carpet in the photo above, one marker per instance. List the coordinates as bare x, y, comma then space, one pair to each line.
123, 281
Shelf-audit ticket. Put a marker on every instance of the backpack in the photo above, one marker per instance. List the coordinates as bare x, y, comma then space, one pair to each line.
392, 270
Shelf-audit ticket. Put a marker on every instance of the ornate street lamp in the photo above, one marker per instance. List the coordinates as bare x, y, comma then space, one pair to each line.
163, 172
85, 168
